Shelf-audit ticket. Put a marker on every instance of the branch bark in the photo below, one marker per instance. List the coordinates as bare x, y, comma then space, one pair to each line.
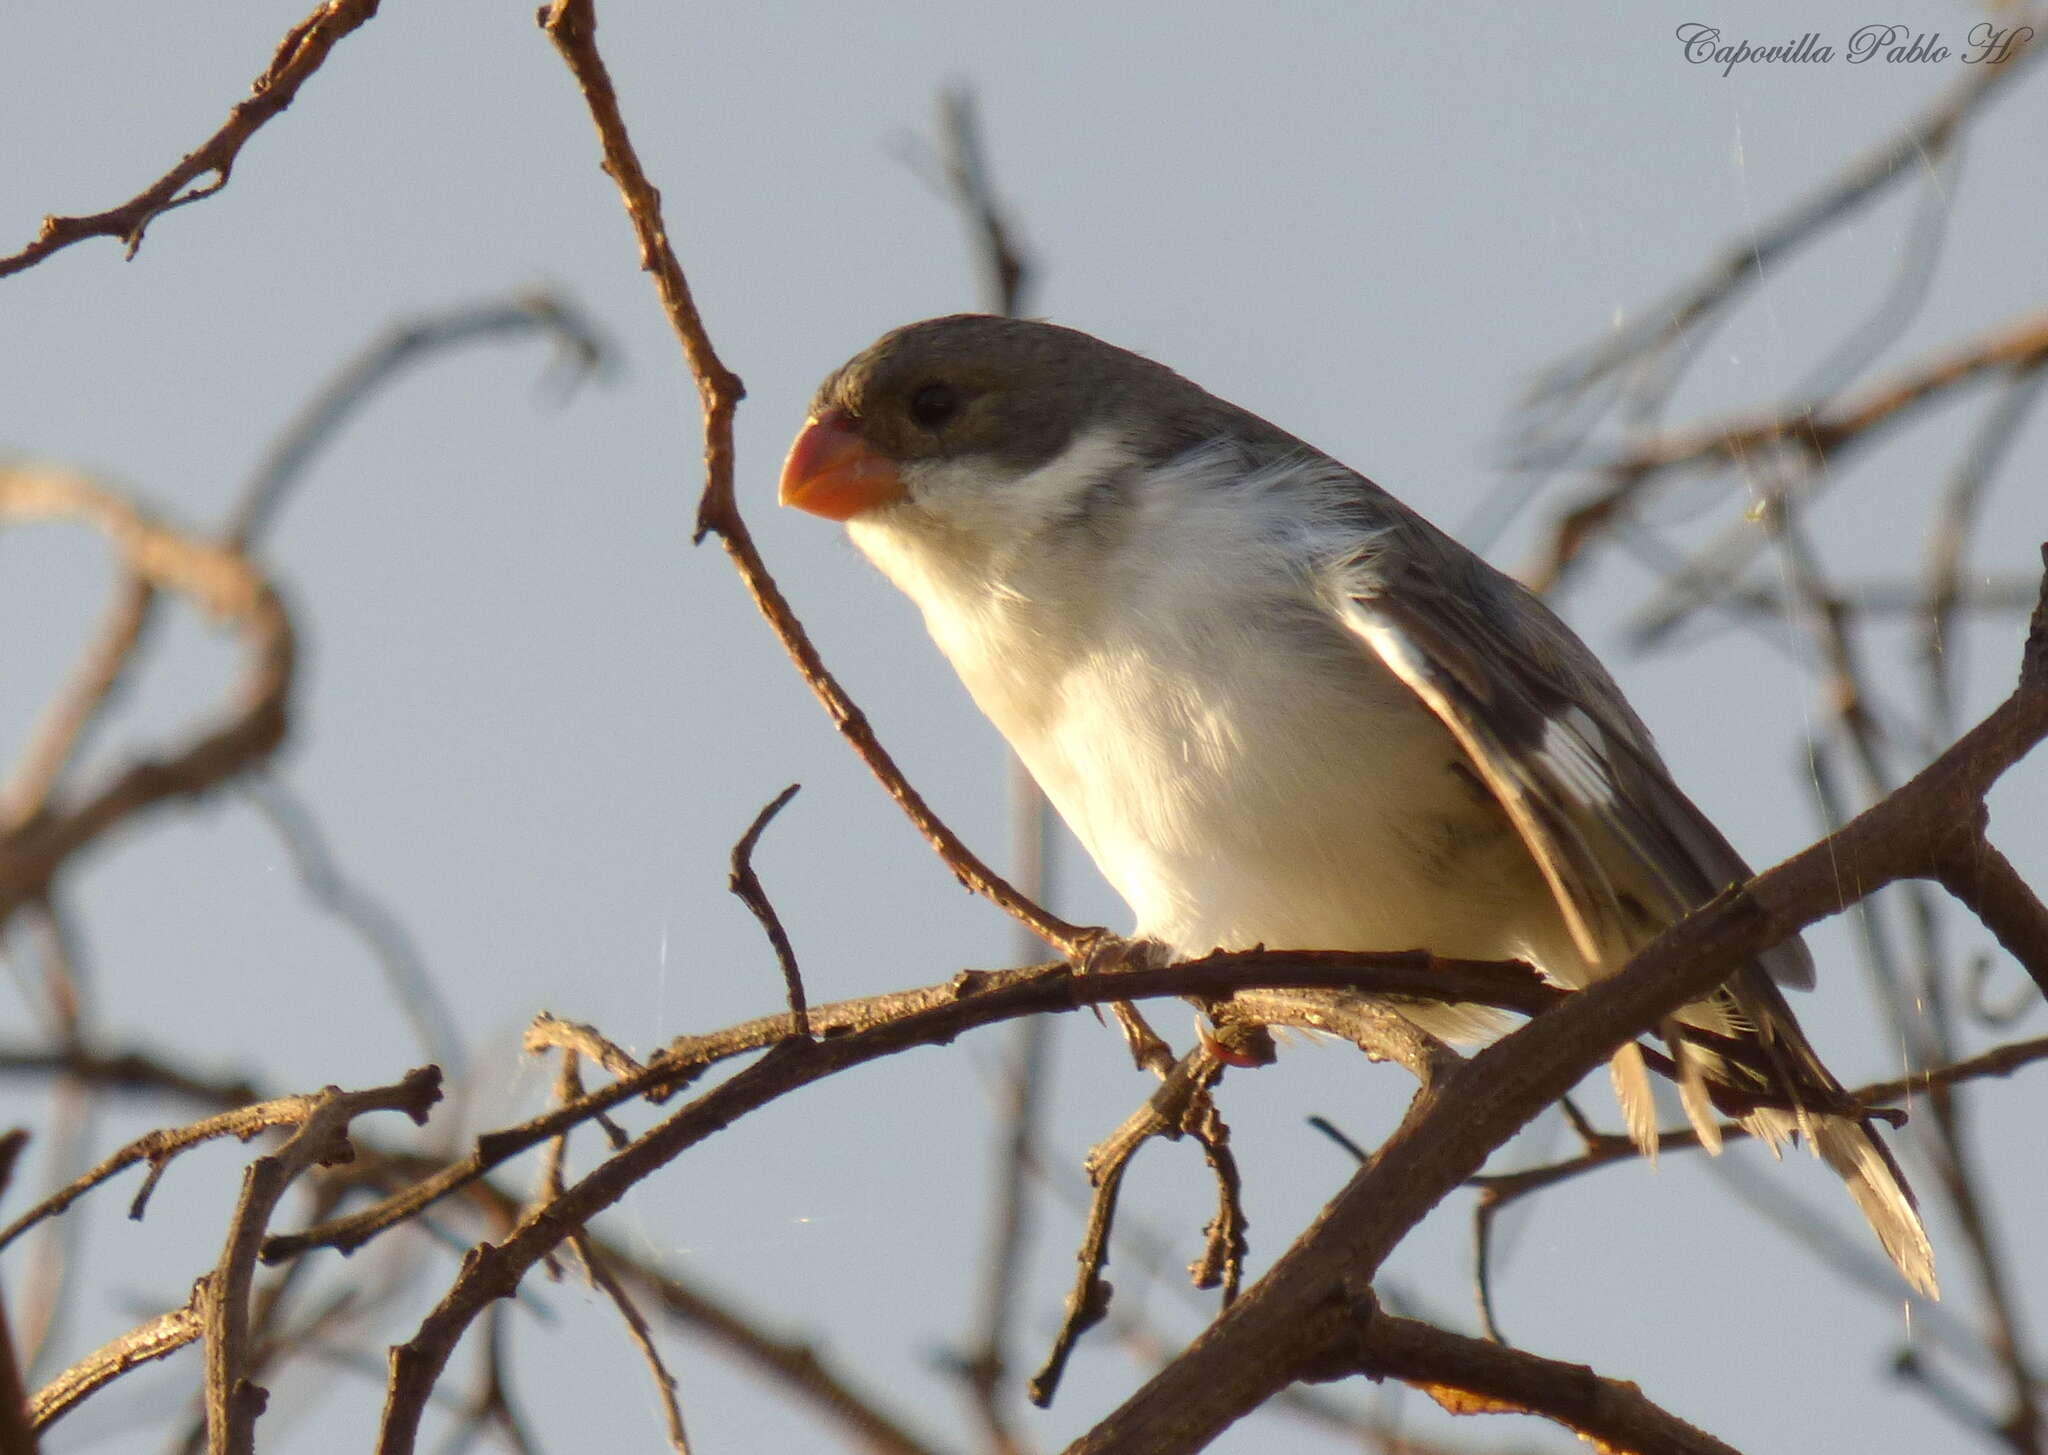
299, 55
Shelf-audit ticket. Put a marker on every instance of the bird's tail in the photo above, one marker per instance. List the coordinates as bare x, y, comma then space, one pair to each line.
1743, 1049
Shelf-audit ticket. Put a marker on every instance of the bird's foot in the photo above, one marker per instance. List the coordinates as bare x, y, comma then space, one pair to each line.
1102, 952
1238, 1043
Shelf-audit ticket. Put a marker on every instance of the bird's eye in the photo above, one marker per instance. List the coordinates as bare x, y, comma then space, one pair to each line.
934, 404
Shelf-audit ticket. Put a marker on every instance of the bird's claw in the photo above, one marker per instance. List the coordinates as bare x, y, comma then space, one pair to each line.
1101, 952
1239, 1045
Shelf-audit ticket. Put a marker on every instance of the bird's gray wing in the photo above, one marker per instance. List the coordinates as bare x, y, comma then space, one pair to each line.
1623, 850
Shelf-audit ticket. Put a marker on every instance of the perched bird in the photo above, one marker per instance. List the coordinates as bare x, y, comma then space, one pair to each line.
1278, 707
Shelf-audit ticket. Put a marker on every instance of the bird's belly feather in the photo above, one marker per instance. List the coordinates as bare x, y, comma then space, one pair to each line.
1239, 768
1243, 814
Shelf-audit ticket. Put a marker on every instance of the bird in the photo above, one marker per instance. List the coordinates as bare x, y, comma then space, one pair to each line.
1278, 707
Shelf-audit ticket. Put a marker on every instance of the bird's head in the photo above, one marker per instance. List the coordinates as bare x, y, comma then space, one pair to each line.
969, 402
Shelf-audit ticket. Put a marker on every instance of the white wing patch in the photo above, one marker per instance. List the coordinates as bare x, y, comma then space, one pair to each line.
1568, 747
1577, 880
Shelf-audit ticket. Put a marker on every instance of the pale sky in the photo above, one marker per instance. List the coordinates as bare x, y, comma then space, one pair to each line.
532, 719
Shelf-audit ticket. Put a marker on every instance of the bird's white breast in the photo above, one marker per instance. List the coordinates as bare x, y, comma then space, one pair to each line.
1240, 772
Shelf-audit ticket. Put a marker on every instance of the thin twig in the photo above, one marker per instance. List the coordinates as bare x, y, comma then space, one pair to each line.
233, 1399
745, 883
62, 731
298, 56
17, 1432
803, 1372
1224, 1244
1744, 260
937, 1014
1808, 432
602, 1278
1942, 591
1164, 1114
548, 1032
390, 943
395, 349
572, 25
153, 1339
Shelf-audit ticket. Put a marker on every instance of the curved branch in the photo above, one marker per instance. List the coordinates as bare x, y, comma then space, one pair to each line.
224, 584
396, 348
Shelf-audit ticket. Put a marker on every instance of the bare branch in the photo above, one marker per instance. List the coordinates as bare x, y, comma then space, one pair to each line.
394, 350
551, 1032
572, 25
746, 884
65, 723
1006, 277
601, 1277
233, 1401
1005, 269
157, 1148
1985, 880
1474, 1376
1743, 261
17, 1433
223, 583
155, 1339
1807, 432
1165, 1114
298, 56
390, 943
881, 1025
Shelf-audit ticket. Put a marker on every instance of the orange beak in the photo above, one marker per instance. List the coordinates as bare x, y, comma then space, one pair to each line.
832, 472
